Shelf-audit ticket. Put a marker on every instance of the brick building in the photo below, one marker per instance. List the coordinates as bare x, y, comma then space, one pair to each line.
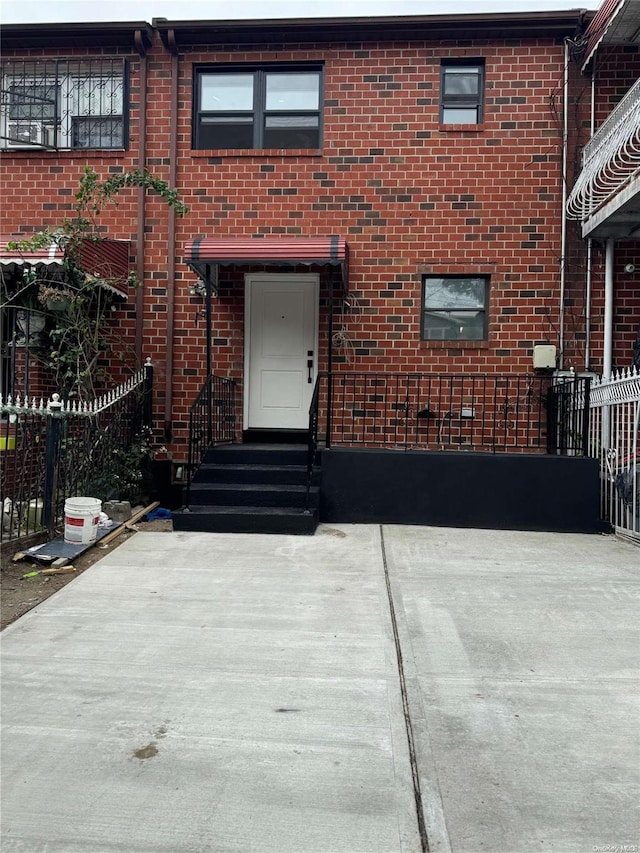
377, 195
606, 196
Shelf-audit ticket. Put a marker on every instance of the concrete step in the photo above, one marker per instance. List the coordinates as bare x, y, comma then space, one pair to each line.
248, 519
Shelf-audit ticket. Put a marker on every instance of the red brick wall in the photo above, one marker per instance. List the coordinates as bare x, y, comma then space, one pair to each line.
410, 196
40, 189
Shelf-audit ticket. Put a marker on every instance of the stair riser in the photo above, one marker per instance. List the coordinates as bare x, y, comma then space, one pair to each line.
237, 454
252, 489
289, 476
302, 525
208, 496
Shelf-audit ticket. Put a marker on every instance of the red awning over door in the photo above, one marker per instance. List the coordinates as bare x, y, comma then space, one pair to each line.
204, 253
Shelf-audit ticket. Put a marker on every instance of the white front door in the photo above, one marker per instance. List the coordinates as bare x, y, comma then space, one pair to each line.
281, 349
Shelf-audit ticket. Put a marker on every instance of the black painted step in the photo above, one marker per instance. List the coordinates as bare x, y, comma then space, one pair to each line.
257, 454
252, 494
275, 436
252, 488
249, 519
286, 474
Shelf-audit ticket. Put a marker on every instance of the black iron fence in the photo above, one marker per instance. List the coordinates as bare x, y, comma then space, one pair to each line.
483, 412
212, 420
568, 408
59, 450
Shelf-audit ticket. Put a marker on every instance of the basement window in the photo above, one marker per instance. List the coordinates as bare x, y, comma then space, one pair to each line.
461, 92
455, 308
267, 107
52, 104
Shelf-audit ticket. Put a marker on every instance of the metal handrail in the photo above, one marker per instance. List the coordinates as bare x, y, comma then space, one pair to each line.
211, 422
312, 442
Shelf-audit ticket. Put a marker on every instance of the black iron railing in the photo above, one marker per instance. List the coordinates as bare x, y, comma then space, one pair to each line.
312, 445
62, 449
481, 412
212, 421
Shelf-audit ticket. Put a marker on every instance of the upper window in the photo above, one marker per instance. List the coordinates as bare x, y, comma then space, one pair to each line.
455, 308
257, 108
461, 92
63, 104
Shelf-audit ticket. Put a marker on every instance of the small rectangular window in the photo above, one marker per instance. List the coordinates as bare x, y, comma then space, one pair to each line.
455, 308
461, 92
257, 108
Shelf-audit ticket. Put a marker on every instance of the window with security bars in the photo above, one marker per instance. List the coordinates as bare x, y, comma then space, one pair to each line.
454, 308
275, 107
63, 104
461, 92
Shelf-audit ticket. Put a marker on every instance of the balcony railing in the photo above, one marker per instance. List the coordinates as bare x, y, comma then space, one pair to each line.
610, 159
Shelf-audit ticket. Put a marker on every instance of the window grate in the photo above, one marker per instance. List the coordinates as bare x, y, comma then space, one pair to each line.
63, 103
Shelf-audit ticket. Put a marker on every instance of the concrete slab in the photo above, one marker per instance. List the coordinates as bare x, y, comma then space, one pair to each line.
197, 692
212, 692
521, 653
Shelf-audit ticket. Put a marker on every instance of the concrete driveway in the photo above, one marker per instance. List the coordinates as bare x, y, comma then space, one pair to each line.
203, 692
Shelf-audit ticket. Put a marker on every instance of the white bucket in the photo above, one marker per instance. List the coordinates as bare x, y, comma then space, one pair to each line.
81, 517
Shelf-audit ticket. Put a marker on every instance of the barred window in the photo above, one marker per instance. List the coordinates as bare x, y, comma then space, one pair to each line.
63, 103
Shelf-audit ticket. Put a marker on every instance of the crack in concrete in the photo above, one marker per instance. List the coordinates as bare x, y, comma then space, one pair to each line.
415, 777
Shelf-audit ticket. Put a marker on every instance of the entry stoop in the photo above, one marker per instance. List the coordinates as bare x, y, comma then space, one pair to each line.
252, 488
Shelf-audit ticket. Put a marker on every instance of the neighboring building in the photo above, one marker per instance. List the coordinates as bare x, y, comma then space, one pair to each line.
378, 195
606, 195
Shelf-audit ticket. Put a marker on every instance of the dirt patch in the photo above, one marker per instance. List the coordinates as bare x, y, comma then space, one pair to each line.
18, 595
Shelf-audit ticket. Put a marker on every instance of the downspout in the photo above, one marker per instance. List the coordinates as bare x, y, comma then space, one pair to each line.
141, 212
589, 282
330, 359
608, 338
171, 239
607, 356
587, 309
563, 220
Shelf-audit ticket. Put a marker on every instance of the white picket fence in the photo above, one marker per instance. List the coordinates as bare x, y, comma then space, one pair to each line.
50, 450
614, 439
18, 405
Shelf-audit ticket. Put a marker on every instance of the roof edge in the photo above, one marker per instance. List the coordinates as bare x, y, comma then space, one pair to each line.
98, 34
382, 20
511, 24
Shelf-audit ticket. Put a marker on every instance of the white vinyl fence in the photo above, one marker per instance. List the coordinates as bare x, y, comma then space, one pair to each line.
614, 439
